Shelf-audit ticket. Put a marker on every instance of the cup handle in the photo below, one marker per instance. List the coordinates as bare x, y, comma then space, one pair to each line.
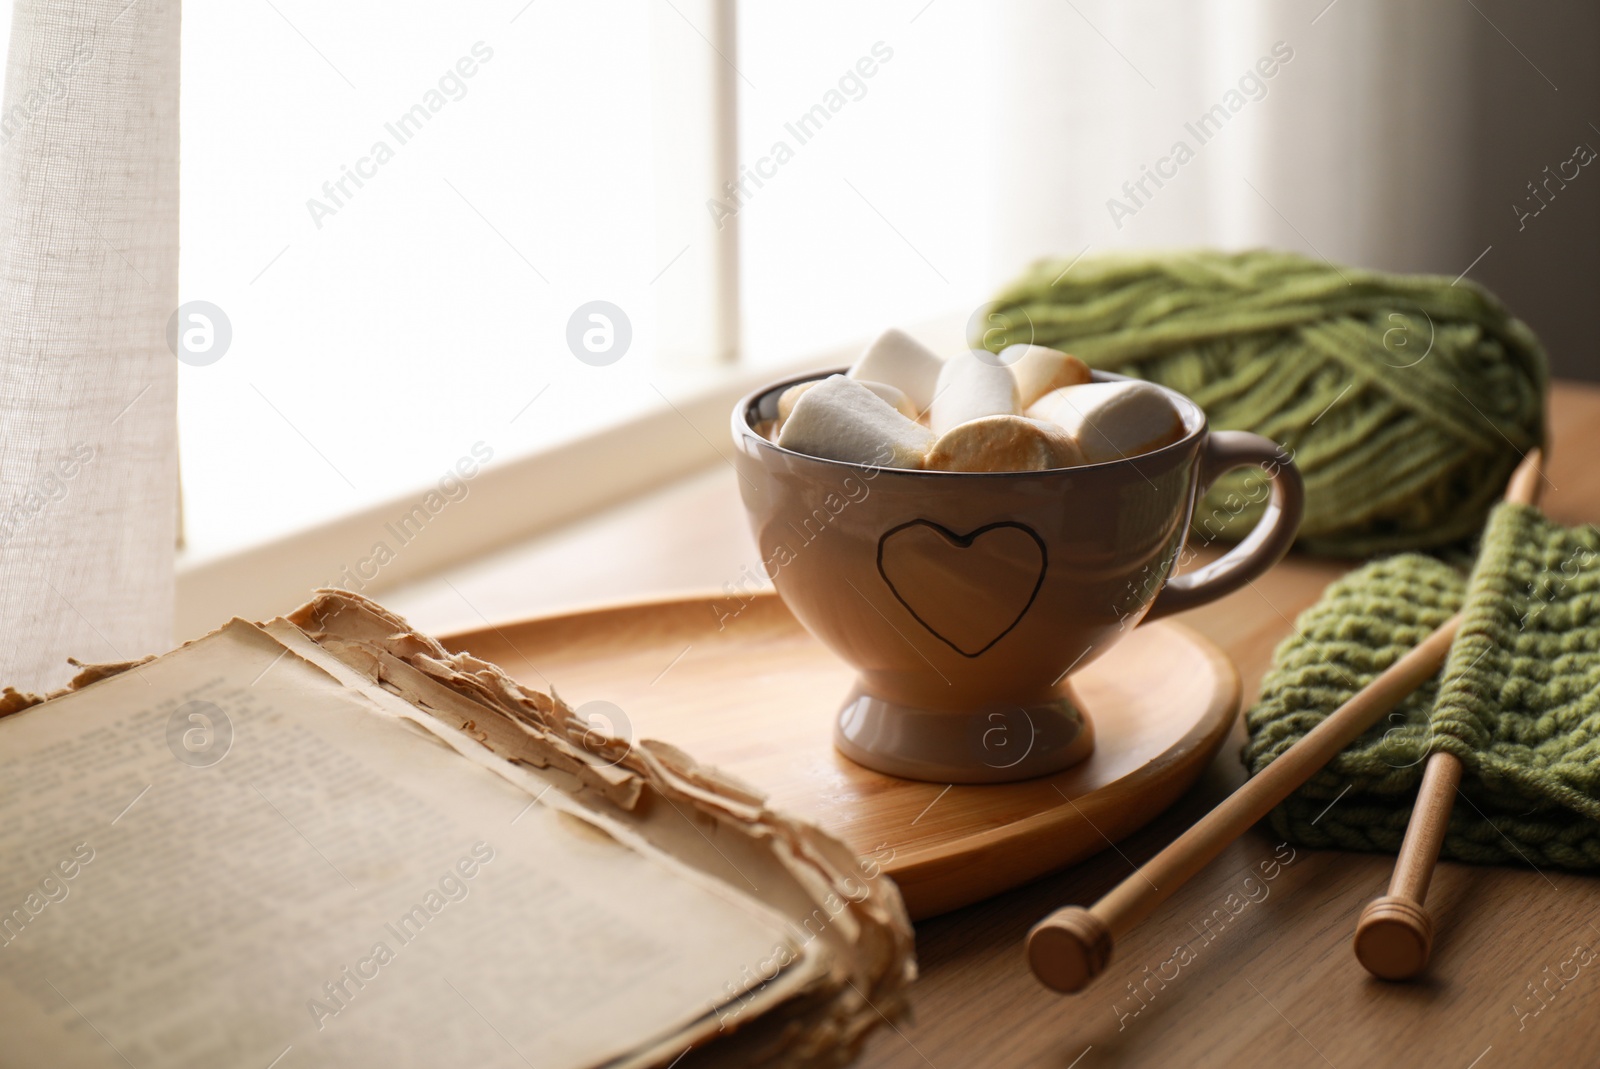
1267, 542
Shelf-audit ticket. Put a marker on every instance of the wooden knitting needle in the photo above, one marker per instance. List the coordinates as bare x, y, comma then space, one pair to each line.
1394, 936
1073, 945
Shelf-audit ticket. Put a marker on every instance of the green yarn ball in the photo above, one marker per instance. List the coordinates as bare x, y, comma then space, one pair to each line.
1405, 400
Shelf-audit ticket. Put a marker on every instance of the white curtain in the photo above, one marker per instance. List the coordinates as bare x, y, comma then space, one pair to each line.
88, 280
1350, 149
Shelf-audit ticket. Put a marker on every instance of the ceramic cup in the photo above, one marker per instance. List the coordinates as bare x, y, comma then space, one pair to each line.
964, 600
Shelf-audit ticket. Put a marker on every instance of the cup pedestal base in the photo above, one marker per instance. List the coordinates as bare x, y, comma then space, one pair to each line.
996, 745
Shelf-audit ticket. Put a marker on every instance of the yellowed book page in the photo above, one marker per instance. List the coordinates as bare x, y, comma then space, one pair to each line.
226, 857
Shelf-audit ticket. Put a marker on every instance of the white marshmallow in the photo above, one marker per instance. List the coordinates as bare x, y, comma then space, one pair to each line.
898, 359
787, 399
1004, 443
1112, 420
971, 388
840, 419
1040, 370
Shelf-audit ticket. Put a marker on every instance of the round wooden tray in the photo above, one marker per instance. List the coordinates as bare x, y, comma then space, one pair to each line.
755, 695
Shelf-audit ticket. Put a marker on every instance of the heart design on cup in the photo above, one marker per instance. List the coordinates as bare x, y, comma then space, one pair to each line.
968, 590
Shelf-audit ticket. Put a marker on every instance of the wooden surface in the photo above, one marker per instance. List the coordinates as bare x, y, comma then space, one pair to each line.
1276, 984
755, 695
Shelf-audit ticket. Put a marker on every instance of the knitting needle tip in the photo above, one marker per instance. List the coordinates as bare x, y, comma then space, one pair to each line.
1524, 485
1394, 938
1068, 949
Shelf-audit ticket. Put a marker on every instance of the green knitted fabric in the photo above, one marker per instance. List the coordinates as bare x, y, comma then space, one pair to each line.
1518, 699
1405, 400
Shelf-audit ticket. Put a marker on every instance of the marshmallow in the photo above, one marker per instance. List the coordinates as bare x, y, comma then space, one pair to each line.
971, 388
787, 399
1112, 420
1004, 443
840, 419
1040, 370
898, 359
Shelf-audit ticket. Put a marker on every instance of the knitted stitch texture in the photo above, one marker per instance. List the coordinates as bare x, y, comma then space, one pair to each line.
1518, 699
1405, 400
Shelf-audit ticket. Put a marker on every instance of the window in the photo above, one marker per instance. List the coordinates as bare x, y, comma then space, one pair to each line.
869, 120
399, 209
398, 206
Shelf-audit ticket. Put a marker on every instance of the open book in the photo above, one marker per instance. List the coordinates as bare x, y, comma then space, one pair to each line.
325, 841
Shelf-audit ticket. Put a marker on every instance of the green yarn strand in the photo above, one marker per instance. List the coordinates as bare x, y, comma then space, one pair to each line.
1406, 399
